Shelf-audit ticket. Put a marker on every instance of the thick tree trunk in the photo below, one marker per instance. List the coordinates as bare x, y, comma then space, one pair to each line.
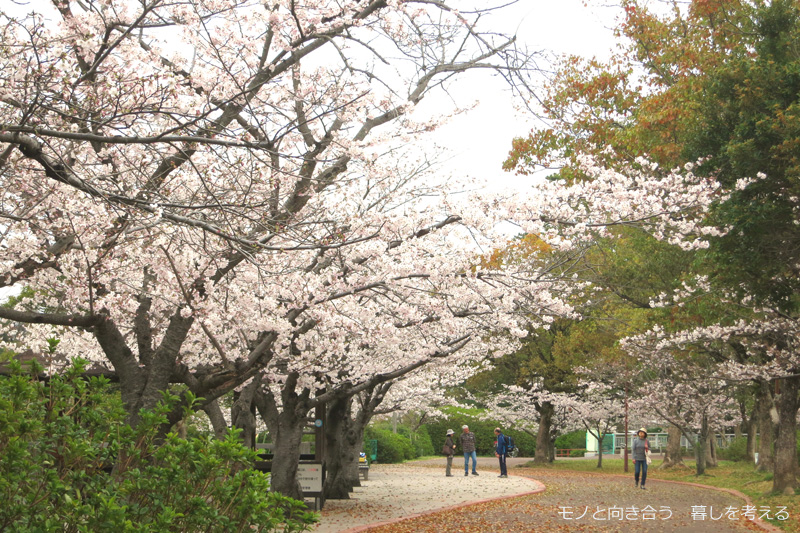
700, 445
341, 452
243, 412
749, 426
766, 427
785, 478
711, 450
286, 455
286, 424
542, 454
673, 456
288, 434
345, 436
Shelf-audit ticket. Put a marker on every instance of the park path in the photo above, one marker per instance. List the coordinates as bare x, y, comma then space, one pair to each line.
572, 501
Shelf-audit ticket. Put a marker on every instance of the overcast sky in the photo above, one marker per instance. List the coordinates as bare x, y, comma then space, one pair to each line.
479, 140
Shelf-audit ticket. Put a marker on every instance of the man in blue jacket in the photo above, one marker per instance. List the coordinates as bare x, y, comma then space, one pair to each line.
501, 451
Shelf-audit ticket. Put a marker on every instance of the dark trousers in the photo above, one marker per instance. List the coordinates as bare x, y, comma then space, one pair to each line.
502, 459
640, 465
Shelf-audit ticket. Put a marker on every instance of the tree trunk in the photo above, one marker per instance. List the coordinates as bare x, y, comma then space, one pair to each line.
212, 409
711, 450
243, 412
785, 478
286, 424
700, 447
599, 436
766, 427
286, 455
750, 427
341, 452
542, 454
673, 456
346, 439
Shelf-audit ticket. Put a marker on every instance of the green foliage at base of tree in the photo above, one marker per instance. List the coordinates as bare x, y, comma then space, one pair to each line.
68, 462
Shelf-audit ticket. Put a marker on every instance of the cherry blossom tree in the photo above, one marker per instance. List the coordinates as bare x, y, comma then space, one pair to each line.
532, 408
217, 194
695, 372
599, 409
348, 417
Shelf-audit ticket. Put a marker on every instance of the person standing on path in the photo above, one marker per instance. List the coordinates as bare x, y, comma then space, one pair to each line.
640, 448
468, 447
449, 449
501, 451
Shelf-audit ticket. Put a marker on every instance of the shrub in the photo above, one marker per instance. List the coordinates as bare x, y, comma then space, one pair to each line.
59, 440
423, 445
577, 452
392, 447
484, 434
735, 451
572, 441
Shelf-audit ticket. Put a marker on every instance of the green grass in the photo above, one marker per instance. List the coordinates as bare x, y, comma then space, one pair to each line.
739, 476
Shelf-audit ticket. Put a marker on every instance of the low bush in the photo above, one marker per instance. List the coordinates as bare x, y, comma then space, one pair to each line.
423, 445
577, 453
571, 441
484, 435
392, 447
60, 439
735, 451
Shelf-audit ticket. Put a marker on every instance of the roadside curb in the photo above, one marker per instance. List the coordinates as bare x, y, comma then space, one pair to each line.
541, 488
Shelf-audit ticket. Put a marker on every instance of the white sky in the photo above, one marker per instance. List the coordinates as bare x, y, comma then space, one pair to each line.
480, 139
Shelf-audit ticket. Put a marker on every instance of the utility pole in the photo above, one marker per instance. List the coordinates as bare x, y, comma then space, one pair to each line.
626, 428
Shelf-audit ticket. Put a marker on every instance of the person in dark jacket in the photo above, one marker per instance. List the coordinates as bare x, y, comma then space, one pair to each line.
468, 447
501, 451
449, 449
640, 448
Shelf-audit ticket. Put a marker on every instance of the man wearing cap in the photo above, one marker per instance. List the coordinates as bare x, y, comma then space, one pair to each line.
468, 447
501, 451
449, 449
639, 449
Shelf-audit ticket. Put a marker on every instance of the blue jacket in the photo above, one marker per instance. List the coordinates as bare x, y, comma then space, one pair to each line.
500, 448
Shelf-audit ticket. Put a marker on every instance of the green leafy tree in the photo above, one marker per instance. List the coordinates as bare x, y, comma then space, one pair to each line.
59, 439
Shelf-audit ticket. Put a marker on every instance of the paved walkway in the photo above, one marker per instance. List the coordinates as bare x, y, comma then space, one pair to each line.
397, 491
572, 501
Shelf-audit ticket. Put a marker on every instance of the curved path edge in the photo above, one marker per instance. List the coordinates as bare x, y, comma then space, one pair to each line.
541, 488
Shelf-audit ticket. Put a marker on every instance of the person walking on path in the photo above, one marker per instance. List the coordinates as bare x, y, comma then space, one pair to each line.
468, 447
501, 451
640, 449
449, 449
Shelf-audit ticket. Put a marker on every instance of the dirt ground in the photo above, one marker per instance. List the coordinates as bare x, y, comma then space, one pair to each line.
572, 501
